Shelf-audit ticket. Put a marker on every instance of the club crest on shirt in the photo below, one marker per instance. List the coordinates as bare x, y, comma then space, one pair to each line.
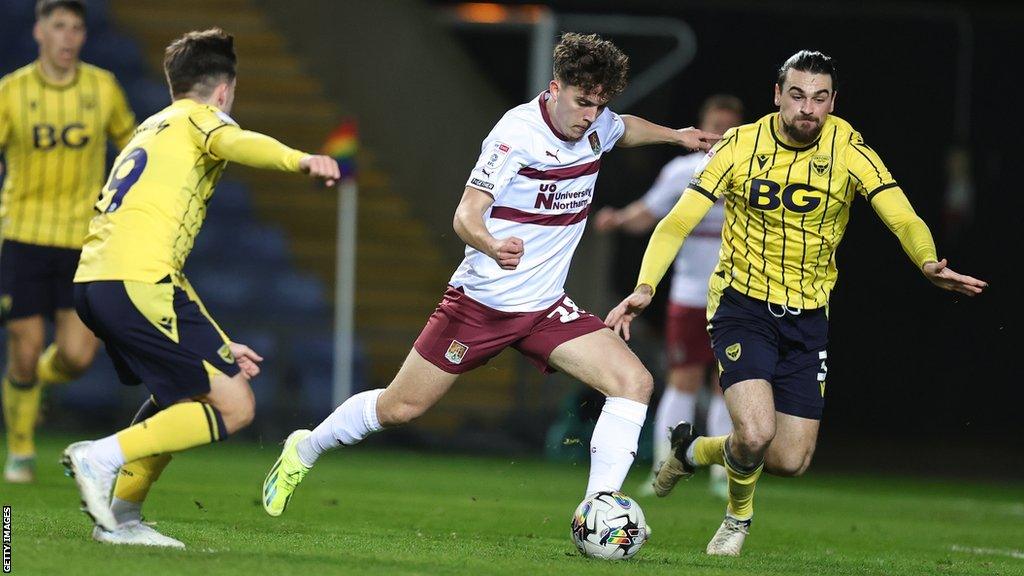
456, 352
733, 352
595, 142
821, 163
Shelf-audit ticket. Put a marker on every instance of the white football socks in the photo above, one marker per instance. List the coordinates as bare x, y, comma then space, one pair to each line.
125, 511
106, 454
354, 420
613, 445
673, 407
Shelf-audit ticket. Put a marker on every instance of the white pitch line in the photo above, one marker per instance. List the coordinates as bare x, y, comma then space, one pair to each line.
988, 551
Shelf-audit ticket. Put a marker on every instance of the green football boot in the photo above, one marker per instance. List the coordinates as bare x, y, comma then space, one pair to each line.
285, 476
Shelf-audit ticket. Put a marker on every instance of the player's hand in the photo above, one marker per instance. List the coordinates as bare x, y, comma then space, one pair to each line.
247, 360
323, 167
621, 316
695, 139
606, 219
947, 279
507, 252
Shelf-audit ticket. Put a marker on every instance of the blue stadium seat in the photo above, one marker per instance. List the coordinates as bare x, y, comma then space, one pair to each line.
313, 358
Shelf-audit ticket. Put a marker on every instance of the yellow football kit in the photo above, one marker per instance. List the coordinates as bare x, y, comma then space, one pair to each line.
154, 202
54, 140
786, 209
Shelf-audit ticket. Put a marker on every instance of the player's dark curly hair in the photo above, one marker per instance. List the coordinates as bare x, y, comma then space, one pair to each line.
198, 61
589, 62
809, 61
46, 7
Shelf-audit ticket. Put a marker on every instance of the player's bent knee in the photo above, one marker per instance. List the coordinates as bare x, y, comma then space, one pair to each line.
76, 362
791, 465
753, 438
238, 416
399, 413
635, 384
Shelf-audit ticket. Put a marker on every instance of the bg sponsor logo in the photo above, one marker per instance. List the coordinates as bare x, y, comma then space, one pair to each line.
767, 195
47, 136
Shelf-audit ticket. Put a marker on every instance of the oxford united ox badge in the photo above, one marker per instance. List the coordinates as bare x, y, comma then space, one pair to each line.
821, 163
733, 352
595, 142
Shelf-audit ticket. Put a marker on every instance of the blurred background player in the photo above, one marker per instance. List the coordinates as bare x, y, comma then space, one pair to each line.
788, 181
56, 115
130, 288
522, 214
687, 344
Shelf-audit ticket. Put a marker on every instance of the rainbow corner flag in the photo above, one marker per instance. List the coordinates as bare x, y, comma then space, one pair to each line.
342, 145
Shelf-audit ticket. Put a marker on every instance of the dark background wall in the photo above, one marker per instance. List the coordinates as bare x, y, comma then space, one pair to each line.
905, 358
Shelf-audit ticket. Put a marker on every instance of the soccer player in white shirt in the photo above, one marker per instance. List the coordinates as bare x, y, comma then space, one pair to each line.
687, 344
522, 214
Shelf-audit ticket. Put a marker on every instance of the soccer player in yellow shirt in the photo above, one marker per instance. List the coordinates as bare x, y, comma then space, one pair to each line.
788, 181
130, 289
56, 116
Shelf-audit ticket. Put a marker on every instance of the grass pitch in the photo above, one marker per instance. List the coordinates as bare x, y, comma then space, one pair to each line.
370, 511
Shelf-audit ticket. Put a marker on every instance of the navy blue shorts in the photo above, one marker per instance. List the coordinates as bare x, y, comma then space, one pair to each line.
35, 280
753, 339
157, 334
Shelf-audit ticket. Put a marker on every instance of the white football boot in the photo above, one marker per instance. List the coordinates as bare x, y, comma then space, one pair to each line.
728, 540
135, 533
20, 469
94, 485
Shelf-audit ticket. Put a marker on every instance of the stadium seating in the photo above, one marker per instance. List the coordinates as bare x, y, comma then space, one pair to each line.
243, 268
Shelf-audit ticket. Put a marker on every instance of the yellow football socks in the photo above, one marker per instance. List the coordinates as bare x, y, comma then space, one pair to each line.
741, 487
176, 428
50, 369
135, 478
21, 409
708, 450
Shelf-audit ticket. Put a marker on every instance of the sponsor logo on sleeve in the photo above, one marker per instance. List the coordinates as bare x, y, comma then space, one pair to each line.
481, 184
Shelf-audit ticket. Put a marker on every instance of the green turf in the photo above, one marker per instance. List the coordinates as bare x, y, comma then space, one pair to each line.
364, 511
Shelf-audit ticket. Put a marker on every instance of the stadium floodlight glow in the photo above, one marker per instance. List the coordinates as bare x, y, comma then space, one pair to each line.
491, 13
542, 24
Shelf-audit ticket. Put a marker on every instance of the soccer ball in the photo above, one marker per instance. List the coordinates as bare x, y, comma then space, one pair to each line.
609, 525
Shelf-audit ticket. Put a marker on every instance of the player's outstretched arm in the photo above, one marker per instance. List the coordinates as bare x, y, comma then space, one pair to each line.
893, 207
943, 277
469, 225
665, 243
323, 167
260, 151
631, 306
640, 132
635, 218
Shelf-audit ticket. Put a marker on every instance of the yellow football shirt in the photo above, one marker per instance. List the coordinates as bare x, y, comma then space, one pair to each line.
154, 202
786, 209
54, 140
